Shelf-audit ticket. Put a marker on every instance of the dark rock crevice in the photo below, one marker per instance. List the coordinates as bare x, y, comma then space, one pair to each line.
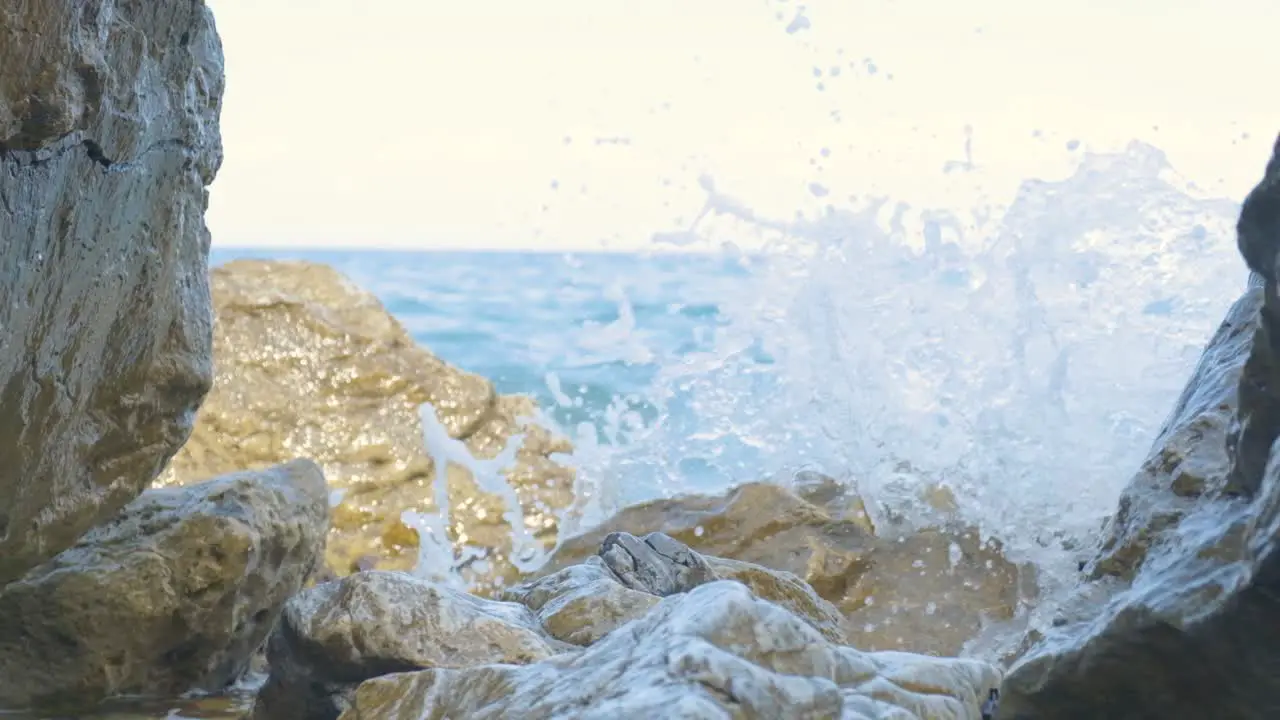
39, 157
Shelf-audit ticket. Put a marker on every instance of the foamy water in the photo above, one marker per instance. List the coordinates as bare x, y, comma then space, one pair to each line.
1023, 355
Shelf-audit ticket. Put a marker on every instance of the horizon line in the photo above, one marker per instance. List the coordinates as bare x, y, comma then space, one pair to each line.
541, 250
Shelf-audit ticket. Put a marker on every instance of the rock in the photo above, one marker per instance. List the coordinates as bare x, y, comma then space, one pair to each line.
108, 138
1188, 459
658, 564
926, 591
582, 603
785, 590
335, 635
1258, 420
309, 364
1177, 616
173, 594
716, 651
932, 591
1258, 229
759, 522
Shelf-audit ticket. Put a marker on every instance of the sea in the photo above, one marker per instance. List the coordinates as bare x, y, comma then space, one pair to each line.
1024, 356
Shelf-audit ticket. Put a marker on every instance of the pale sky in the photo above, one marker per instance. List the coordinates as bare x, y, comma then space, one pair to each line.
563, 123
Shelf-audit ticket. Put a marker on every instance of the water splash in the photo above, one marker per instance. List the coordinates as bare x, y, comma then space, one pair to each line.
437, 560
1023, 355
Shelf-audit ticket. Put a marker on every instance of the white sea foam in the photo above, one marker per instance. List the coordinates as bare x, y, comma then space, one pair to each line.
1024, 356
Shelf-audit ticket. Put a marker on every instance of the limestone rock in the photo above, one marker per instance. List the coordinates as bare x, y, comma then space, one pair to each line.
175, 593
582, 603
1188, 459
309, 364
786, 591
108, 138
337, 634
925, 591
758, 522
716, 651
1179, 615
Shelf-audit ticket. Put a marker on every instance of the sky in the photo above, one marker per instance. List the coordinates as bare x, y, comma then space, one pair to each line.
572, 124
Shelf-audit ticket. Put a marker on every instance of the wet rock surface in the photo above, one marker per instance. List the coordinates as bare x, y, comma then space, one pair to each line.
175, 593
716, 651
1178, 616
588, 600
108, 138
582, 603
656, 564
926, 591
717, 648
337, 634
309, 364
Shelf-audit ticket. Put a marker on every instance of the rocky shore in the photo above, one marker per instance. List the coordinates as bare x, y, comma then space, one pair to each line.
203, 477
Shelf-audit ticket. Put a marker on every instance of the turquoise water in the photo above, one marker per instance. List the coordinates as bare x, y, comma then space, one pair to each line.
514, 317
589, 335
1024, 356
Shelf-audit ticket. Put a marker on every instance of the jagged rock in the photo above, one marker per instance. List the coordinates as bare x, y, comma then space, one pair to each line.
759, 522
335, 635
582, 603
309, 364
925, 591
657, 564
1178, 615
175, 593
716, 651
108, 139
1258, 236
1188, 459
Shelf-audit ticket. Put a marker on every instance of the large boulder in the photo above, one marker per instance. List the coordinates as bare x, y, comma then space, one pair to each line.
108, 138
340, 633
715, 652
925, 590
175, 593
310, 364
1177, 615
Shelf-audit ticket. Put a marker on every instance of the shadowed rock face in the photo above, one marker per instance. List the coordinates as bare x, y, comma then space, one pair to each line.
1178, 616
175, 593
308, 364
108, 138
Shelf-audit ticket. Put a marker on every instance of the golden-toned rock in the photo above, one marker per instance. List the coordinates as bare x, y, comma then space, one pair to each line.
175, 593
929, 592
926, 591
337, 634
786, 591
582, 603
109, 138
310, 365
758, 522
